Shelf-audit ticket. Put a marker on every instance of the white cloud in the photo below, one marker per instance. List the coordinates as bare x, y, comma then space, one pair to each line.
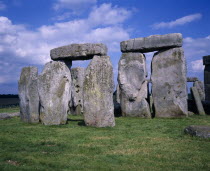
106, 14
20, 46
2, 6
195, 49
197, 65
74, 5
178, 22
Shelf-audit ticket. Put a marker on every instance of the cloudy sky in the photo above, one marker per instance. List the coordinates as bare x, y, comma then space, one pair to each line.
30, 28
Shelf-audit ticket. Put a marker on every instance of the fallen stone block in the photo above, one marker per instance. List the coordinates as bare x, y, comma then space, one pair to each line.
8, 115
78, 51
198, 131
152, 43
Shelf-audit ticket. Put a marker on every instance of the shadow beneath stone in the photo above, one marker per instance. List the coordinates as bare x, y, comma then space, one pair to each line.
81, 123
75, 120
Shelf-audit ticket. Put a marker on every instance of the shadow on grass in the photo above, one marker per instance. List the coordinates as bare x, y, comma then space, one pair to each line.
81, 122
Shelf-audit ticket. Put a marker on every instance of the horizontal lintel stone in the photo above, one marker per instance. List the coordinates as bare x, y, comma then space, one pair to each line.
78, 51
152, 43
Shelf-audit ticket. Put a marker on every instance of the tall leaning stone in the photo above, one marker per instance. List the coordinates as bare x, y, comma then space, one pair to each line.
28, 95
169, 83
77, 75
54, 85
133, 87
98, 93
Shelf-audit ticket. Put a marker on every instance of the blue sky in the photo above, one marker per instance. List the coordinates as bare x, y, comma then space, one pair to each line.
30, 28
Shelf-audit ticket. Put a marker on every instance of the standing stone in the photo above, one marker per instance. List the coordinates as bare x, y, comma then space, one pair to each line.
200, 87
54, 91
197, 100
169, 89
28, 95
98, 93
152, 43
77, 75
206, 62
133, 86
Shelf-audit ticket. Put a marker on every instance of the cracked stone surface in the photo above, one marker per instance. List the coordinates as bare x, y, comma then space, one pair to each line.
78, 51
169, 89
152, 43
28, 95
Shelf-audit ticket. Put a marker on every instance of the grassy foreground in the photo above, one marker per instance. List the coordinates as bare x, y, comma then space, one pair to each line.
134, 144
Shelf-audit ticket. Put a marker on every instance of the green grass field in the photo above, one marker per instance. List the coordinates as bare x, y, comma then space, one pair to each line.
134, 144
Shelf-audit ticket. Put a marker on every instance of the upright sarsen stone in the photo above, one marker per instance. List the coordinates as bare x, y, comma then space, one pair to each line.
169, 89
54, 85
77, 75
133, 86
206, 62
28, 95
98, 93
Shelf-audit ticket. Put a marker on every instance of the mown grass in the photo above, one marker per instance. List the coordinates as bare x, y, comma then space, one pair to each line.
134, 144
11, 109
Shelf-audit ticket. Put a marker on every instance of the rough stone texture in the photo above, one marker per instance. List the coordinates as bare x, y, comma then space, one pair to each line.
133, 87
198, 102
78, 51
98, 93
206, 60
152, 43
207, 74
55, 92
207, 82
200, 87
192, 79
207, 92
77, 76
169, 88
198, 130
28, 95
8, 115
116, 99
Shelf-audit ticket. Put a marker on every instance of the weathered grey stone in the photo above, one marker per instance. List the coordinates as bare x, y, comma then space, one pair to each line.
207, 74
54, 85
198, 102
77, 75
98, 93
192, 79
169, 88
152, 43
78, 51
8, 115
201, 131
118, 94
151, 104
133, 87
28, 95
207, 92
206, 60
200, 87
116, 100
